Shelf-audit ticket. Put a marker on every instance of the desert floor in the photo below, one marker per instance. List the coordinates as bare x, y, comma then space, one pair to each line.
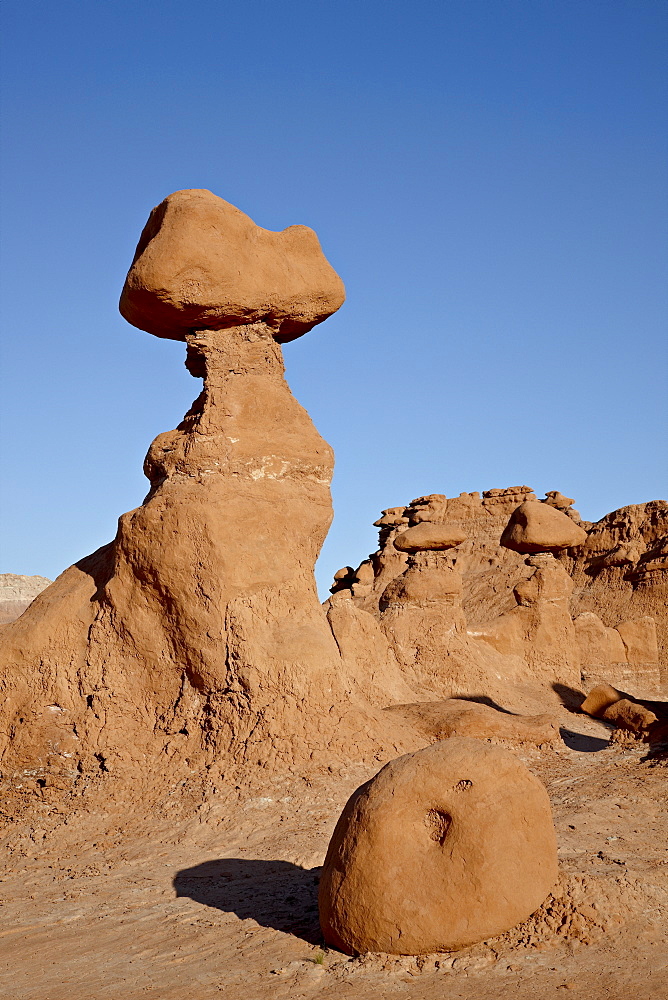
102, 905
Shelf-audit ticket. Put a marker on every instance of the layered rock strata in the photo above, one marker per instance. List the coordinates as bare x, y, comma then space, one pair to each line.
17, 593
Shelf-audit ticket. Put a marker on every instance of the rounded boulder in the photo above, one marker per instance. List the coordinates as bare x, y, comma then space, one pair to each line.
443, 848
537, 527
201, 263
430, 536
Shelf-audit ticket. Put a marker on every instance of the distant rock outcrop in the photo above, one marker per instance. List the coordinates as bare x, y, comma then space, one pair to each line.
17, 593
589, 604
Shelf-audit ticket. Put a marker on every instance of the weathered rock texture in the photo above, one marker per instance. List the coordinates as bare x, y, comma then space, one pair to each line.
620, 574
17, 593
595, 610
198, 630
202, 264
443, 848
439, 720
605, 702
541, 527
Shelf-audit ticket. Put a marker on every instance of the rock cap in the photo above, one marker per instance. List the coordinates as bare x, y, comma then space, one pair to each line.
430, 536
201, 263
539, 527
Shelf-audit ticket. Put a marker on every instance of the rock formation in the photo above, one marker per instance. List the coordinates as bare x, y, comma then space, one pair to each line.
439, 720
620, 574
198, 629
541, 527
605, 702
540, 628
201, 264
443, 848
17, 593
605, 618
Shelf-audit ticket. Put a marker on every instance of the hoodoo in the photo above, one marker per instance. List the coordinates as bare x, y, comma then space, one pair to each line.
199, 627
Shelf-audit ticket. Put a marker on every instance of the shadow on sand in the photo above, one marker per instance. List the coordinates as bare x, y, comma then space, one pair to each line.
276, 894
582, 742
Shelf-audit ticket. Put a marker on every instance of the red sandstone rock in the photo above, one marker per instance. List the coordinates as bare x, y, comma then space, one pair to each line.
599, 699
202, 264
428, 536
443, 848
440, 720
627, 714
197, 632
539, 527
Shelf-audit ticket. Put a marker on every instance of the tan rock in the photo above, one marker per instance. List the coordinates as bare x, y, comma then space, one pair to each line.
556, 499
391, 518
197, 635
540, 628
599, 699
621, 574
640, 640
538, 527
440, 720
443, 848
429, 536
17, 592
599, 646
370, 667
627, 714
201, 263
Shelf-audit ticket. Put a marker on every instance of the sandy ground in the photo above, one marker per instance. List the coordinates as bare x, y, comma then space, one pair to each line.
106, 905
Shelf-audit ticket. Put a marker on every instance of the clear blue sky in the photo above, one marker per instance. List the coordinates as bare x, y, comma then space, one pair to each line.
488, 177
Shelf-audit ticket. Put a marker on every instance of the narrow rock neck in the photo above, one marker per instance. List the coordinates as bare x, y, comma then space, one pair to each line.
245, 422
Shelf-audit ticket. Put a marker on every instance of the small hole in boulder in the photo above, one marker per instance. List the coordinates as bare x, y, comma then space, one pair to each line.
462, 785
438, 824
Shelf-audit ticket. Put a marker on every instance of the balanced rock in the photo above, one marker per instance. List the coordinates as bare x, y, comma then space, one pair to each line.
443, 848
201, 620
201, 263
539, 527
429, 536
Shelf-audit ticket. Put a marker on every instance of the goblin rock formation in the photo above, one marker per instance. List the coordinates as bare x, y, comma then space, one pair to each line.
443, 848
588, 602
198, 629
541, 527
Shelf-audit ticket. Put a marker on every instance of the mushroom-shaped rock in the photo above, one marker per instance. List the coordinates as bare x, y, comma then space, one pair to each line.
201, 263
441, 849
430, 536
538, 527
